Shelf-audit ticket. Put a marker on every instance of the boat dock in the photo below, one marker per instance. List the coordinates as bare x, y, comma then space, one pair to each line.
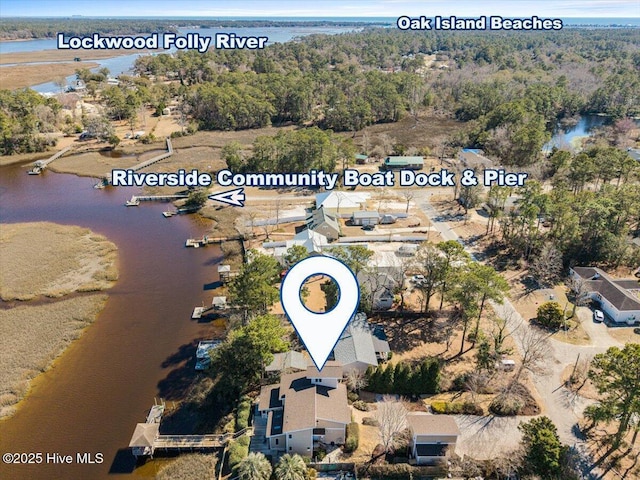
146, 438
40, 165
136, 199
206, 240
107, 180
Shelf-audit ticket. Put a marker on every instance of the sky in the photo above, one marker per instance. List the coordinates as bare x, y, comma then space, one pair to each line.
320, 8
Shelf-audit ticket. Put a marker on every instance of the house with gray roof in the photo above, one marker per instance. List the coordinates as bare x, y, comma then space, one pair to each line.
306, 410
619, 299
287, 362
358, 348
322, 222
433, 437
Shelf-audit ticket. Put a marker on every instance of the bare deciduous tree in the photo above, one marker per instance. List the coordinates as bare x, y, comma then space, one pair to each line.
500, 331
408, 196
392, 419
546, 267
355, 380
580, 291
535, 349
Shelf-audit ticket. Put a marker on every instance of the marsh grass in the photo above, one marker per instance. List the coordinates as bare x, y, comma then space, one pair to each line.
53, 260
33, 336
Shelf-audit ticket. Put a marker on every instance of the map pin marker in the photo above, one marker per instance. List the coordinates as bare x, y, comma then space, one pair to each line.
319, 331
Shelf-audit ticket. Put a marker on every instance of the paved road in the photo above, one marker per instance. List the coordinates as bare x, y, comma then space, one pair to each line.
564, 408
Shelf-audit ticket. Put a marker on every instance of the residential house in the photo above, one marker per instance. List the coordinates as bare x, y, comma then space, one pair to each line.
406, 163
380, 283
306, 410
321, 221
287, 362
309, 239
433, 437
341, 203
356, 348
365, 217
619, 299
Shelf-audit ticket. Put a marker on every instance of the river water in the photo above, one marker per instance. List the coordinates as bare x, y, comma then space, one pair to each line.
124, 64
141, 346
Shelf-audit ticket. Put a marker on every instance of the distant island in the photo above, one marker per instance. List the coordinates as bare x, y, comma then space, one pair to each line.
32, 28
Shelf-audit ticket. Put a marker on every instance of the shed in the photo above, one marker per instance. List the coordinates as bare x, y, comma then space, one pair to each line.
364, 217
361, 159
219, 303
224, 271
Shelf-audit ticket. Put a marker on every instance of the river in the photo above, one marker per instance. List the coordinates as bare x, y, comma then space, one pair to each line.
142, 344
124, 64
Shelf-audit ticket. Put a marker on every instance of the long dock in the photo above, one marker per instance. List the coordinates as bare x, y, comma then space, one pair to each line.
141, 165
40, 165
136, 199
206, 240
155, 159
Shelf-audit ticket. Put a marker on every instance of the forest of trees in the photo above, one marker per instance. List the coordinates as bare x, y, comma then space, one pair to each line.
511, 88
24, 116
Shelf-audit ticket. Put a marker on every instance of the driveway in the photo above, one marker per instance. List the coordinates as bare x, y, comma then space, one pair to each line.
559, 404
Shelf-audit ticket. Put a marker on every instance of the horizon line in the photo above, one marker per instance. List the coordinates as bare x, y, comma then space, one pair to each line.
268, 17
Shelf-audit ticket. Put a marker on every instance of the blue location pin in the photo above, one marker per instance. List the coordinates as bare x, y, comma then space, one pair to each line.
319, 331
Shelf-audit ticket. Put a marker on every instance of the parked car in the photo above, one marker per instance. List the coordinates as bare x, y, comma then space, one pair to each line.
417, 278
368, 228
598, 316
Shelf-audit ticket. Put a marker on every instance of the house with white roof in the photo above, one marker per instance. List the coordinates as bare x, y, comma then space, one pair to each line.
313, 241
338, 203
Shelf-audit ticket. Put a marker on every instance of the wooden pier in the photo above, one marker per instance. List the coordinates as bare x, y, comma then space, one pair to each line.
136, 199
206, 240
146, 438
40, 165
107, 180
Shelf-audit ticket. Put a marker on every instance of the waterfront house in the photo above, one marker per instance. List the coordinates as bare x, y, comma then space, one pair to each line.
306, 410
617, 298
433, 437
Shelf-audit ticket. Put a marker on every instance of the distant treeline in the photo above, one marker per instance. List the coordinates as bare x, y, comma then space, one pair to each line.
23, 28
511, 90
